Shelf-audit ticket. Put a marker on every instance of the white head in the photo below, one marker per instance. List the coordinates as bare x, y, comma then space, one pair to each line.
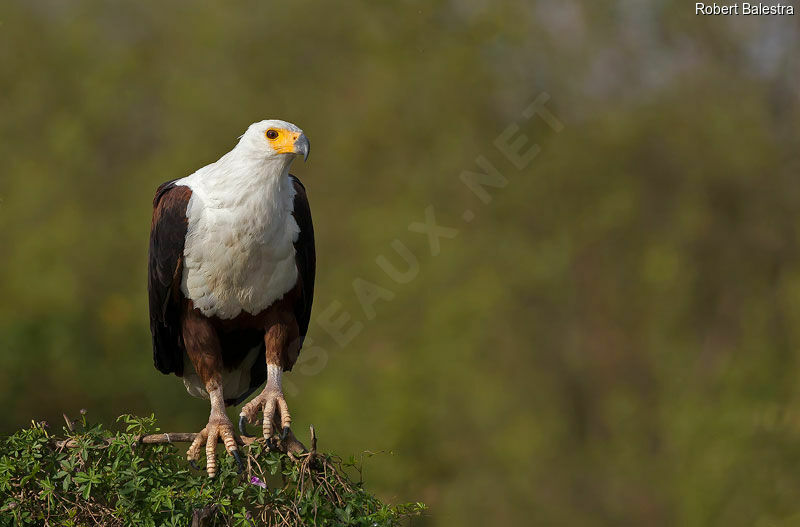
274, 139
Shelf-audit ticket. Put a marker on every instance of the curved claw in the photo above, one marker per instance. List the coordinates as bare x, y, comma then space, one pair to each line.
284, 433
238, 459
243, 427
194, 465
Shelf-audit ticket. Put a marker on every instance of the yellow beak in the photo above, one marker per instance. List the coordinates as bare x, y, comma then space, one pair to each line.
292, 143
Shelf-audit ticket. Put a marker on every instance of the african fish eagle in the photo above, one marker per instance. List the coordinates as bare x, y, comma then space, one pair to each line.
231, 281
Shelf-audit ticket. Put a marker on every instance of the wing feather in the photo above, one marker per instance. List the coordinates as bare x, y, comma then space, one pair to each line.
305, 257
165, 269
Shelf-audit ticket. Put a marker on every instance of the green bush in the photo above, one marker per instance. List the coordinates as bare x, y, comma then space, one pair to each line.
106, 477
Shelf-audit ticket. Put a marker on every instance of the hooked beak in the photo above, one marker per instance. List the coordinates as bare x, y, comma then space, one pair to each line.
302, 147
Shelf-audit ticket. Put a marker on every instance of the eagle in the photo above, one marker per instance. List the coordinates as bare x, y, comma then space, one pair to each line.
231, 282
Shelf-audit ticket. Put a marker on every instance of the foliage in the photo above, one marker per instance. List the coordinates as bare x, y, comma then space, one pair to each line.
106, 478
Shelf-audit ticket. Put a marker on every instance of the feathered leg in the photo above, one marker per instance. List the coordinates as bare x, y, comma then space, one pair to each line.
204, 350
281, 340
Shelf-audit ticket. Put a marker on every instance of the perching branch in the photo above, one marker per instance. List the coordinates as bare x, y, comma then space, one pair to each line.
290, 445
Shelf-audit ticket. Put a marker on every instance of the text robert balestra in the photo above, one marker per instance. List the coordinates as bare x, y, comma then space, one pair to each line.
743, 9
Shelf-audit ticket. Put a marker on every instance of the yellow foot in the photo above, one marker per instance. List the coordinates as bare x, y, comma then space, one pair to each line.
217, 428
267, 402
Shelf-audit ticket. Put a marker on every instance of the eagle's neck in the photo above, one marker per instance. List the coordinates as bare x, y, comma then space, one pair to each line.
242, 180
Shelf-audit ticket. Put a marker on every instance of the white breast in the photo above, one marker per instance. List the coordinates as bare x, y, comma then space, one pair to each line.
239, 252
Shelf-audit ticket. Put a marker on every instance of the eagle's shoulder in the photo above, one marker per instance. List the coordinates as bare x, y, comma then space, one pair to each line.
180, 196
298, 185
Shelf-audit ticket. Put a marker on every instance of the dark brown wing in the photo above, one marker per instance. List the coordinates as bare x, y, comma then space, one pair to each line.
167, 239
305, 257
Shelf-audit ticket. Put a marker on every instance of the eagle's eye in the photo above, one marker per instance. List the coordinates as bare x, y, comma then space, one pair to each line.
272, 134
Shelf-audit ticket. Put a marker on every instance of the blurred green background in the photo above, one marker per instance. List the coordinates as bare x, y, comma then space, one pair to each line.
613, 340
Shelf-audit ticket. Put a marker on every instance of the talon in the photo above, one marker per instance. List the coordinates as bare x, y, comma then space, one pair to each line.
218, 429
238, 459
243, 427
271, 406
194, 465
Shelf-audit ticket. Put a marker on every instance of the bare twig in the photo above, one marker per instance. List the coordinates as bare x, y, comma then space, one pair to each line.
70, 424
160, 439
290, 445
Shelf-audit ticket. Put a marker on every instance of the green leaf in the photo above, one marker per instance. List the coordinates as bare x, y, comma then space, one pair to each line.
152, 485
